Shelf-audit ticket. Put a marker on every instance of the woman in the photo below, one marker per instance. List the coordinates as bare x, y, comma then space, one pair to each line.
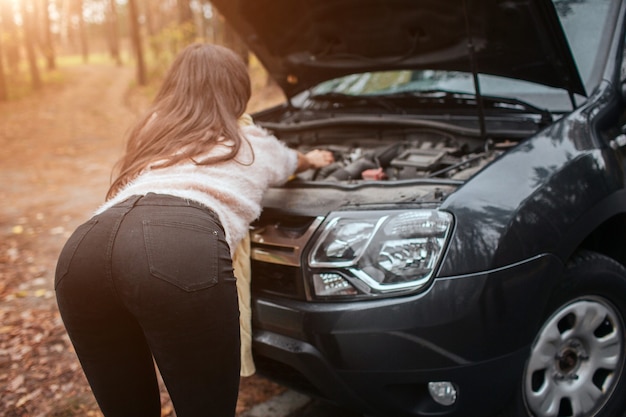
150, 275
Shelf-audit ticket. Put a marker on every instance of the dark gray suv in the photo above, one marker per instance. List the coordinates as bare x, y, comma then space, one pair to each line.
465, 254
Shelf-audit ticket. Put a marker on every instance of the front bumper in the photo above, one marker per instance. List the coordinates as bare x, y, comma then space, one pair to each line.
378, 356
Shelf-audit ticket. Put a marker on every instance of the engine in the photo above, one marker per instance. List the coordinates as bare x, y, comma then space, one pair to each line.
431, 155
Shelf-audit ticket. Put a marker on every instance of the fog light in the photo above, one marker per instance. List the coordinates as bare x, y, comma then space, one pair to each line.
329, 284
443, 392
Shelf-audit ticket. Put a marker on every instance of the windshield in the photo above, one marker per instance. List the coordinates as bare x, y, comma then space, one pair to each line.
583, 22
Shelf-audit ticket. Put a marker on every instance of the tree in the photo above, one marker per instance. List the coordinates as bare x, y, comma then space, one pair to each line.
153, 23
113, 32
72, 27
47, 44
30, 36
185, 19
4, 95
10, 36
135, 34
82, 33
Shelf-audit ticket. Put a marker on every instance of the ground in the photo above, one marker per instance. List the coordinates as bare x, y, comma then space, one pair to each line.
57, 149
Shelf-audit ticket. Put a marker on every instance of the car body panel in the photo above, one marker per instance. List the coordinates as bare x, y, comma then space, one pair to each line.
303, 42
549, 182
507, 204
450, 330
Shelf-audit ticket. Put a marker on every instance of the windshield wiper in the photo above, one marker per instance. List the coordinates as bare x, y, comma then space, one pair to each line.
445, 97
488, 102
378, 100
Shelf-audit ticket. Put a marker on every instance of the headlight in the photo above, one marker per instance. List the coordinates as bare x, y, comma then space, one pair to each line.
378, 252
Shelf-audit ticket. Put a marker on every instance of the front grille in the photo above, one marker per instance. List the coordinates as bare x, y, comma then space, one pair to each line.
277, 244
277, 279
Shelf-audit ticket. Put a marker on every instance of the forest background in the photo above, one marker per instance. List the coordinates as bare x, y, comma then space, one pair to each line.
74, 74
36, 36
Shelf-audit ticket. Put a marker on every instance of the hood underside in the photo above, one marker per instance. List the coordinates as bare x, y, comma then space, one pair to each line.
304, 42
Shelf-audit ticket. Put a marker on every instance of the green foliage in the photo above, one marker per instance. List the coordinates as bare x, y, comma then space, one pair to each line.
77, 59
19, 83
166, 44
258, 74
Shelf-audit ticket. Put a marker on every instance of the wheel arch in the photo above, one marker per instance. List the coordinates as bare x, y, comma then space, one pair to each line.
590, 277
602, 230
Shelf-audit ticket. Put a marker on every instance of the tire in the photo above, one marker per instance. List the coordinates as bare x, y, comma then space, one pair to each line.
575, 365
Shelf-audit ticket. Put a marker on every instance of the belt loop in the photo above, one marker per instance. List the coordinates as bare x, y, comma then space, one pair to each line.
135, 199
130, 202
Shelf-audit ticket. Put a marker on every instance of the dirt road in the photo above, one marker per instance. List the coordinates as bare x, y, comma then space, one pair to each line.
56, 153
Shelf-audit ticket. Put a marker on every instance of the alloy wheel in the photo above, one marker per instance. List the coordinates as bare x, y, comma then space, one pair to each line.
575, 360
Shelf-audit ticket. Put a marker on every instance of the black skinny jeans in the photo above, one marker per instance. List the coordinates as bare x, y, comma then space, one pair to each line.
153, 277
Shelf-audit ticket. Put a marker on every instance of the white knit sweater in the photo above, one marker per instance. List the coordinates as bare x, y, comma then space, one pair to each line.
232, 189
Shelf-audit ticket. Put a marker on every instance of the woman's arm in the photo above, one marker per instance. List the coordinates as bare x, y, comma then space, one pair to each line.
316, 158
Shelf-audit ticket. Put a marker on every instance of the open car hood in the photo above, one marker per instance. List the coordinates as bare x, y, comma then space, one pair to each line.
304, 42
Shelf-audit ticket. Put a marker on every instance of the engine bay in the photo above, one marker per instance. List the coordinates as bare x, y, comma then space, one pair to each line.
394, 156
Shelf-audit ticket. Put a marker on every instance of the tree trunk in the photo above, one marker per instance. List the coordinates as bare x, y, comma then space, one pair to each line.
29, 45
135, 35
151, 22
4, 95
48, 43
149, 13
185, 18
82, 32
113, 33
10, 36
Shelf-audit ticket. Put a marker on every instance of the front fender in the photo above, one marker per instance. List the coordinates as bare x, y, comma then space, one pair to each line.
541, 197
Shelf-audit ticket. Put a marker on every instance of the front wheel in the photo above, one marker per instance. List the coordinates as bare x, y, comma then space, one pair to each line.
576, 362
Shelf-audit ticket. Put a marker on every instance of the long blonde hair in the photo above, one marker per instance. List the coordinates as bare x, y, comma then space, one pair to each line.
203, 94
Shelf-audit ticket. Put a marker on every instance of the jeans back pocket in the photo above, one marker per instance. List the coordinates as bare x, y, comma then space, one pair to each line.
68, 251
183, 254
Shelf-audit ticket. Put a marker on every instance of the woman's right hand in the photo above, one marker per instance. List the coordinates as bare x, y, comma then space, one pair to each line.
316, 158
319, 158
